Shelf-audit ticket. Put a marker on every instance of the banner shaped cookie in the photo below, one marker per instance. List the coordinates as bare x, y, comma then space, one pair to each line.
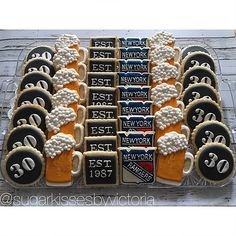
133, 53
101, 112
99, 52
141, 66
98, 96
134, 93
101, 79
102, 41
137, 165
44, 52
132, 42
100, 143
133, 78
100, 168
127, 108
101, 127
136, 139
136, 123
102, 65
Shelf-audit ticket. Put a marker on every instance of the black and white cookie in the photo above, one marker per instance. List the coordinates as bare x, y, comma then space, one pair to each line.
44, 52
192, 48
36, 79
201, 90
29, 114
199, 74
25, 135
23, 166
198, 59
39, 64
36, 96
201, 110
215, 163
211, 132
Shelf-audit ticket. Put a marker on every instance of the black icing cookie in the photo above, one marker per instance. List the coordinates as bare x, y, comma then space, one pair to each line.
23, 166
192, 48
215, 163
29, 114
196, 91
36, 79
44, 52
36, 96
39, 64
199, 74
201, 110
209, 132
26, 135
198, 59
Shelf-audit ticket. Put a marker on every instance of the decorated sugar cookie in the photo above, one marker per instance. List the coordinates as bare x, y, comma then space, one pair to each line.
215, 163
134, 65
102, 41
133, 78
211, 132
133, 53
100, 79
23, 166
101, 112
100, 143
201, 110
102, 65
162, 38
67, 40
133, 93
192, 48
44, 52
100, 52
132, 42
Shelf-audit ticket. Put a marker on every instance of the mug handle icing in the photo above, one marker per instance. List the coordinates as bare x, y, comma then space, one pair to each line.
180, 105
76, 170
186, 131
83, 88
83, 53
79, 135
178, 67
177, 54
81, 113
82, 71
188, 157
179, 88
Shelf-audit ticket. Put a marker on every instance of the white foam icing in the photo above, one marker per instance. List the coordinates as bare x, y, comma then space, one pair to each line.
167, 116
163, 93
58, 144
171, 142
64, 76
64, 97
59, 116
163, 72
161, 54
64, 57
161, 38
66, 40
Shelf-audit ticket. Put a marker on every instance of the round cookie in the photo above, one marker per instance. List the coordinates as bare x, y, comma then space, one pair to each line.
201, 110
39, 64
201, 90
209, 132
23, 166
25, 135
199, 74
44, 52
215, 163
192, 48
29, 114
198, 59
36, 79
37, 96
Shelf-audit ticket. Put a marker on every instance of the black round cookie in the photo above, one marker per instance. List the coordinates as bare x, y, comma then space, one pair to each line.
198, 59
201, 110
39, 64
215, 163
37, 79
36, 96
192, 48
199, 74
44, 52
29, 114
26, 135
23, 166
196, 91
209, 132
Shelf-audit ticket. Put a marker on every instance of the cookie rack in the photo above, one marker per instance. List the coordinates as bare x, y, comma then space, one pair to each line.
8, 87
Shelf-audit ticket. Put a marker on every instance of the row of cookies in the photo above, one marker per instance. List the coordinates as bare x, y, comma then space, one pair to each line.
211, 138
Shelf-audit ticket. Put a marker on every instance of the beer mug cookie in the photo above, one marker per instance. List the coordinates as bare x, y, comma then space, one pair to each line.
162, 38
62, 163
173, 162
67, 40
